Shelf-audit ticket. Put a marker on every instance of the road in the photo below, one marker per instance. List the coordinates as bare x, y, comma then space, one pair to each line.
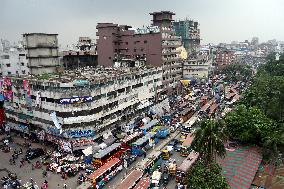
25, 173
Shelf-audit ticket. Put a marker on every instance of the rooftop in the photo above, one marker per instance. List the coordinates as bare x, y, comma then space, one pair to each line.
87, 75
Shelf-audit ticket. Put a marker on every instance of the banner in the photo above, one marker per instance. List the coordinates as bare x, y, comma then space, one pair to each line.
76, 100
55, 121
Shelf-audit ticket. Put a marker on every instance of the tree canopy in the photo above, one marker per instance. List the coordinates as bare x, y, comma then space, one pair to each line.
200, 177
209, 140
237, 72
267, 90
248, 124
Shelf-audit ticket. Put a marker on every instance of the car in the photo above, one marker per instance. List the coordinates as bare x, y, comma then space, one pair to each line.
34, 153
173, 142
177, 147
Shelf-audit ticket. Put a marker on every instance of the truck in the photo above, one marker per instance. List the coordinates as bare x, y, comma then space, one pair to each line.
162, 132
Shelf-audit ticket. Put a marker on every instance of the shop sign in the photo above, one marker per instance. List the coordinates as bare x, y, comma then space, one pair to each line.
76, 100
53, 131
80, 133
82, 142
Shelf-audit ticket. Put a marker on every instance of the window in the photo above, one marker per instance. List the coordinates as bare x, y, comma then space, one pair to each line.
142, 49
5, 56
8, 65
22, 55
22, 64
134, 50
17, 72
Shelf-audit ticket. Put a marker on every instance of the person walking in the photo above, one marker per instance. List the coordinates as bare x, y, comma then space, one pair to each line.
65, 186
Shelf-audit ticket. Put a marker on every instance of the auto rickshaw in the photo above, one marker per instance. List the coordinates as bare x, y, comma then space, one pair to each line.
165, 154
182, 139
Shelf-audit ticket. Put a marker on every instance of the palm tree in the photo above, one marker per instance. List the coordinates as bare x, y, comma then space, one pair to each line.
209, 140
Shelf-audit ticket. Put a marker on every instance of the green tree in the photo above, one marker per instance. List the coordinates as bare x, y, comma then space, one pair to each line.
249, 124
209, 140
200, 177
237, 72
271, 144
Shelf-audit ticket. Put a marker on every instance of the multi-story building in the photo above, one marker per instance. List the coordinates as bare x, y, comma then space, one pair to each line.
80, 105
197, 66
224, 57
156, 44
190, 33
84, 55
13, 60
42, 52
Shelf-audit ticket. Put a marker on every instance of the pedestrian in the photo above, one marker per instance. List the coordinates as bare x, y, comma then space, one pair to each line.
65, 186
44, 173
145, 154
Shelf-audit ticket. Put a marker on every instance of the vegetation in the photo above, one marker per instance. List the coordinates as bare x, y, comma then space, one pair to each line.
259, 118
237, 72
249, 124
202, 177
209, 140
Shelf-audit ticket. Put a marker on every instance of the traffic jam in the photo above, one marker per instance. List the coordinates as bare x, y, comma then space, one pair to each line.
157, 153
155, 150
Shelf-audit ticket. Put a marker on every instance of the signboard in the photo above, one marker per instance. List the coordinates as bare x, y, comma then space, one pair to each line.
76, 100
80, 133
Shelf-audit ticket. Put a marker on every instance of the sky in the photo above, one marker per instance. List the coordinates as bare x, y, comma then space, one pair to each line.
220, 20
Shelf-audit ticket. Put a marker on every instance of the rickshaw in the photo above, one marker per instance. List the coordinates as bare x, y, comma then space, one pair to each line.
172, 168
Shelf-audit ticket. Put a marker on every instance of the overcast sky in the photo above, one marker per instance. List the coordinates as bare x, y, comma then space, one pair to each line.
220, 20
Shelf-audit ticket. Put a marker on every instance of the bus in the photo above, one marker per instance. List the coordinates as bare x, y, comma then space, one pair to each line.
104, 155
144, 142
186, 114
189, 124
151, 163
185, 166
131, 179
213, 109
126, 142
105, 173
144, 183
149, 126
185, 149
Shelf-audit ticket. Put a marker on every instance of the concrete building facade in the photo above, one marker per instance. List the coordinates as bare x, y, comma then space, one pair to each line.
224, 57
13, 61
156, 44
190, 34
84, 55
85, 106
42, 52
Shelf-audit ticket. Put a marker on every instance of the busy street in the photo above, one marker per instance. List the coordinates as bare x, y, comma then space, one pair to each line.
96, 97
157, 146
